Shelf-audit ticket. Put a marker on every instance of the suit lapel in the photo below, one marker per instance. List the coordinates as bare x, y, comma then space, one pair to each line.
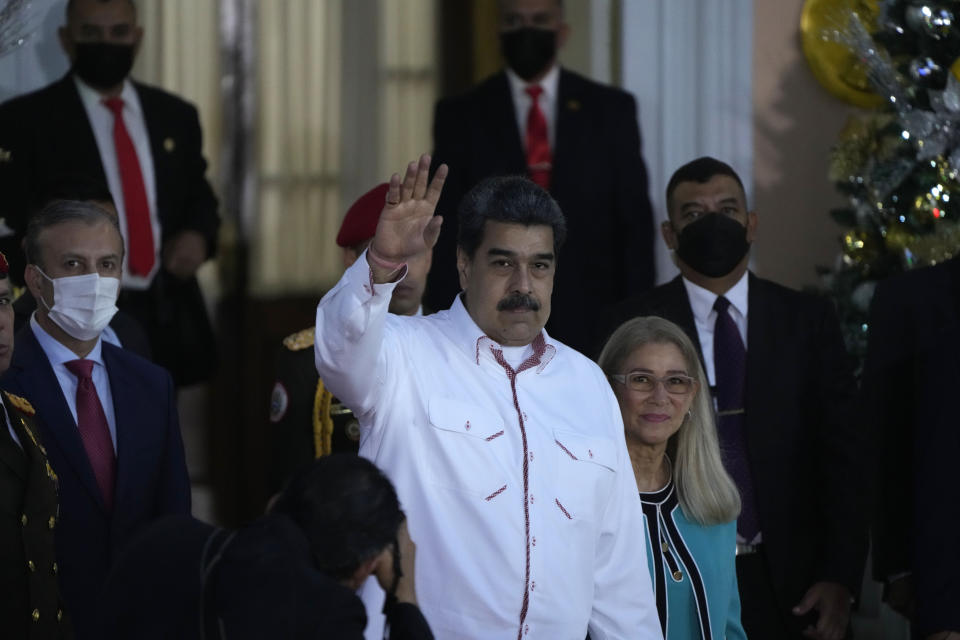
40, 384
124, 412
74, 122
761, 349
504, 127
678, 309
566, 121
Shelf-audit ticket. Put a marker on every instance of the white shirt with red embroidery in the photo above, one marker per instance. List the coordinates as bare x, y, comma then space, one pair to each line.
518, 487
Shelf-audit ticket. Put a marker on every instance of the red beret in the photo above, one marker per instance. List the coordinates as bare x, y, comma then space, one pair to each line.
360, 223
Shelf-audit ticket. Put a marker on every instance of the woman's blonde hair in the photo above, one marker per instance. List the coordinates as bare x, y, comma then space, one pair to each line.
706, 492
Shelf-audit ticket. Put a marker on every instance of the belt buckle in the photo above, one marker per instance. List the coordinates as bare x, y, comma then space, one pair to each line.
747, 549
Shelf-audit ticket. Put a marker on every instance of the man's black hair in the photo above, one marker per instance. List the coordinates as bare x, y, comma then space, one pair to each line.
347, 509
70, 4
510, 199
700, 171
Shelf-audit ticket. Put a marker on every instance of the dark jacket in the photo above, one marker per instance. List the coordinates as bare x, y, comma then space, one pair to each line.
911, 370
30, 606
259, 582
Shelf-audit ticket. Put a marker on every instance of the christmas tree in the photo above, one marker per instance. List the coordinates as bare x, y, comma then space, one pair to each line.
897, 164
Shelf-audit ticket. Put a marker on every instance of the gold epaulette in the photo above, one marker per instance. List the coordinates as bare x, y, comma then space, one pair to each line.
22, 403
300, 340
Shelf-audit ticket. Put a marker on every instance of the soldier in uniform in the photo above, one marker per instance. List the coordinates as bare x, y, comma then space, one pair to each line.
30, 605
307, 422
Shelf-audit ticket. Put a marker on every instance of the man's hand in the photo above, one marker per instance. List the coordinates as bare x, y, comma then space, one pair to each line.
832, 602
406, 591
899, 595
184, 254
407, 225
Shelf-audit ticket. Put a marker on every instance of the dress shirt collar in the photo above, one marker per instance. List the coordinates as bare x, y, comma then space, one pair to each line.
702, 300
56, 352
477, 344
92, 98
550, 85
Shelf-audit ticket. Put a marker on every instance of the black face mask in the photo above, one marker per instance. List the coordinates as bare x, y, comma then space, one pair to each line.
713, 244
102, 65
528, 50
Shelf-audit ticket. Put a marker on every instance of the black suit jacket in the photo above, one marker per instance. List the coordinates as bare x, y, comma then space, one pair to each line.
151, 473
804, 447
28, 519
911, 370
598, 179
46, 134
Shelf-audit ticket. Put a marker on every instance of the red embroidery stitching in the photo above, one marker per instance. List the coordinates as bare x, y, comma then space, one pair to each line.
496, 435
567, 451
496, 493
565, 512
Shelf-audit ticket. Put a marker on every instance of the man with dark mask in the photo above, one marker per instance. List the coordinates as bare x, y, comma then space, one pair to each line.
783, 389
576, 138
145, 145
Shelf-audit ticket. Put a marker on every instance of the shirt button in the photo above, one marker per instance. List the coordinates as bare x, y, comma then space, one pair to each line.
531, 456
526, 629
533, 585
531, 498
534, 540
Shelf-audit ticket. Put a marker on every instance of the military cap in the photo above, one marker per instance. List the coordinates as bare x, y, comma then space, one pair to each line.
360, 223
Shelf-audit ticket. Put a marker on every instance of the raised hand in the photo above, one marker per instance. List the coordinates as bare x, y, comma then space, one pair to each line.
407, 225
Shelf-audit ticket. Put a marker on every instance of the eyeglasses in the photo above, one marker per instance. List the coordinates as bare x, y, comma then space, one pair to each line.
676, 384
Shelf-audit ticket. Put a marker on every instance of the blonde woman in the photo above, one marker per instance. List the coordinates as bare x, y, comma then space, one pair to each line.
690, 504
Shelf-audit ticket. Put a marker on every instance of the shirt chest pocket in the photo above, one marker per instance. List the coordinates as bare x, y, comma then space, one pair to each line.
586, 470
468, 443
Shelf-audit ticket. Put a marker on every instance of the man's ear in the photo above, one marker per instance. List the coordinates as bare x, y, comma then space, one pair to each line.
752, 222
138, 34
34, 281
66, 42
669, 234
563, 34
463, 268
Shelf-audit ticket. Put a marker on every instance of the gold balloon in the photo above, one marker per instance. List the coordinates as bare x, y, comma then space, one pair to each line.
836, 67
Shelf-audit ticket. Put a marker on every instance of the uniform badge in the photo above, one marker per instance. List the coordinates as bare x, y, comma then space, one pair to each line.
300, 340
21, 403
279, 401
169, 145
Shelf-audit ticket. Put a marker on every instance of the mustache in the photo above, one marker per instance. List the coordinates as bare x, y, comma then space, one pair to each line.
516, 301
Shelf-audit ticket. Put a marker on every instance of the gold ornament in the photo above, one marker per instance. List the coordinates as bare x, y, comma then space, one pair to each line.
859, 247
837, 68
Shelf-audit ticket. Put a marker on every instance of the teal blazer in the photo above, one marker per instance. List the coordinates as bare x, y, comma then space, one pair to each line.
693, 571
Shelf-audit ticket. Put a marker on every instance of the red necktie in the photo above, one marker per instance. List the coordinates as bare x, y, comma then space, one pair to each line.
139, 232
538, 143
94, 432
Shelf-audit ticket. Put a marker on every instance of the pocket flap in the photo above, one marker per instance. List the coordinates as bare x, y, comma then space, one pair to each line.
462, 417
584, 448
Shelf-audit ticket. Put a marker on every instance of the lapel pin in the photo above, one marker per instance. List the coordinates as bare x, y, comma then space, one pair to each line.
169, 145
573, 105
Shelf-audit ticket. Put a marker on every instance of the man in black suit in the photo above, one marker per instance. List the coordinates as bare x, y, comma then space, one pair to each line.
107, 417
911, 370
30, 606
578, 139
145, 144
789, 439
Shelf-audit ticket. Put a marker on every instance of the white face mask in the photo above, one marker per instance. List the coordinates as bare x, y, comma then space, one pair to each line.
82, 305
